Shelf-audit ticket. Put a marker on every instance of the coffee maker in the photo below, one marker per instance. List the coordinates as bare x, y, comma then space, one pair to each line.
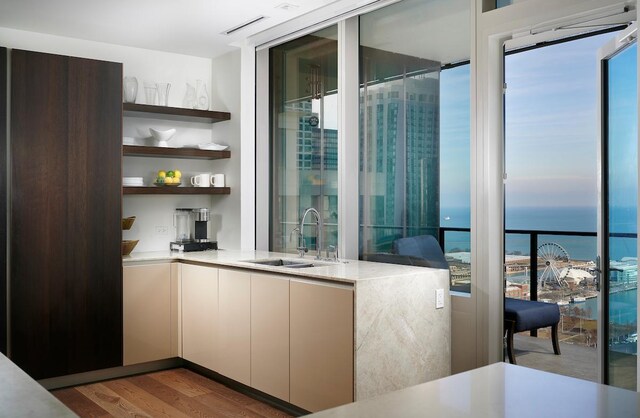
191, 230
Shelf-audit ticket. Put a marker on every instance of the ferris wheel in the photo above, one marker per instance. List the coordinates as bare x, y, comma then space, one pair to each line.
556, 264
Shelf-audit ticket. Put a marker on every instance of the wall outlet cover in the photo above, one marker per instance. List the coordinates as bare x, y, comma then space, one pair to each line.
439, 298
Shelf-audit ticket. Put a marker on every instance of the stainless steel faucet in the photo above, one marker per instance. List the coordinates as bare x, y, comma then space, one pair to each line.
319, 229
302, 248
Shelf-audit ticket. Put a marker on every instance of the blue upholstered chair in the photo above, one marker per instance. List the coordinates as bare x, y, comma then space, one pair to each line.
526, 315
423, 247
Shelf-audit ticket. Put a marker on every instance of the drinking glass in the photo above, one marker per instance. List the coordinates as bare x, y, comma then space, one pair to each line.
151, 92
163, 94
130, 86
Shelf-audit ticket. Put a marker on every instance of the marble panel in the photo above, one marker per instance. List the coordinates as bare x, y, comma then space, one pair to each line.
401, 339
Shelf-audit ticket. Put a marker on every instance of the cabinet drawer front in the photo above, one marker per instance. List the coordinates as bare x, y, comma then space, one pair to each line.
321, 345
199, 314
270, 335
147, 313
234, 325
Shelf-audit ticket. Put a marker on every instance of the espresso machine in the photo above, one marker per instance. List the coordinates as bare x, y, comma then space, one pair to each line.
191, 230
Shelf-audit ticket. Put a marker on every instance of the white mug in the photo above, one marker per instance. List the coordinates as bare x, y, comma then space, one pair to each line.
202, 180
217, 180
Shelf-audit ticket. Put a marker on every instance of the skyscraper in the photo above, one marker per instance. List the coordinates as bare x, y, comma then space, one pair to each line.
399, 159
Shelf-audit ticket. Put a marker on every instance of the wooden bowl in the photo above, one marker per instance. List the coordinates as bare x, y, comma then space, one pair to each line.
128, 246
127, 222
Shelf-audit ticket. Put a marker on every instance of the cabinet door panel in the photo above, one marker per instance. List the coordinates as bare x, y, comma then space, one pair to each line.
270, 335
147, 313
234, 325
321, 345
3, 199
199, 314
66, 263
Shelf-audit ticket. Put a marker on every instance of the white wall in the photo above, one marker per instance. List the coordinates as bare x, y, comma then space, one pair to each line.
226, 95
154, 223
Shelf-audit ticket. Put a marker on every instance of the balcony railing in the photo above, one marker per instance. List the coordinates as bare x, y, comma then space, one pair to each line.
534, 259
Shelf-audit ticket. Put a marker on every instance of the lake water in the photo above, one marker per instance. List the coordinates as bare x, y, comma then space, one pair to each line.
573, 219
622, 307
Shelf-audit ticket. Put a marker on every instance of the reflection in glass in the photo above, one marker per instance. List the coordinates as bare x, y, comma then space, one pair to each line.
399, 182
304, 137
409, 107
457, 250
622, 121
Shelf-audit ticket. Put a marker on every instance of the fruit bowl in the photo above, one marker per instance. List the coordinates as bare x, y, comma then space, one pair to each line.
167, 184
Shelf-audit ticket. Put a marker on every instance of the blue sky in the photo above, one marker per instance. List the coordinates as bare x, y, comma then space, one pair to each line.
623, 150
455, 158
551, 125
551, 114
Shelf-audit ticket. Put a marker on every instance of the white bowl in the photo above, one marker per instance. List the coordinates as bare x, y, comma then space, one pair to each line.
212, 146
162, 137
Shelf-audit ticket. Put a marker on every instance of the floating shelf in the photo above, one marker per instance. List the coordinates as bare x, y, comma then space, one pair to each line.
191, 153
176, 190
174, 113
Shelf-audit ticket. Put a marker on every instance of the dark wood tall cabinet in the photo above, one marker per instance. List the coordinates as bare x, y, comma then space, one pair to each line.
65, 226
3, 198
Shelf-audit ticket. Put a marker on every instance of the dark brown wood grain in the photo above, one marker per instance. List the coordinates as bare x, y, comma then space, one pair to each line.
176, 190
3, 200
66, 270
174, 113
190, 153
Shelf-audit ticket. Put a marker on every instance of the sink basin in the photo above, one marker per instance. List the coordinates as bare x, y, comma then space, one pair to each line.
280, 262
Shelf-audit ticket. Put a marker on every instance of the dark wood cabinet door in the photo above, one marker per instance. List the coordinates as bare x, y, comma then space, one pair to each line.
3, 200
66, 264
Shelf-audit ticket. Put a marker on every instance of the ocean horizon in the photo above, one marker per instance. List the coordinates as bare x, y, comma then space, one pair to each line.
572, 219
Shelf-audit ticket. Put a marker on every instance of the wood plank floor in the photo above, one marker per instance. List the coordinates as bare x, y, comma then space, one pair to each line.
169, 393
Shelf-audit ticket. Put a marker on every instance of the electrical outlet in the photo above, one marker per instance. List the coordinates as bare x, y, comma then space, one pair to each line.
162, 230
439, 298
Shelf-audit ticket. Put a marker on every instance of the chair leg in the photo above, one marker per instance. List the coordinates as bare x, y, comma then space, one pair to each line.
554, 339
512, 357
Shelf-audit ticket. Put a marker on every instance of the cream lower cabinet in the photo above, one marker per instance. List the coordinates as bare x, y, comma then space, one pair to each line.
148, 313
199, 314
234, 325
289, 338
270, 334
321, 357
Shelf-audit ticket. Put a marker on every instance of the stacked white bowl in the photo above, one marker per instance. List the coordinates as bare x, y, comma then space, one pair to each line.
132, 181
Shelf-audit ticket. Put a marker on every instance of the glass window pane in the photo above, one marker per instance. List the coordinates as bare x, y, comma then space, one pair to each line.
414, 130
622, 146
304, 138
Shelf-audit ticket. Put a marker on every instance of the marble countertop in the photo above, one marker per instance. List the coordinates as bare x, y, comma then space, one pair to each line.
348, 271
21, 396
500, 390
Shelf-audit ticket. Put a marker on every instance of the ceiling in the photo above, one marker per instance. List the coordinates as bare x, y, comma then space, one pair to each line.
191, 27
437, 30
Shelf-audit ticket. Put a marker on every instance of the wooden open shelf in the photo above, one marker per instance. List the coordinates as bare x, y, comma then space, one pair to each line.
174, 113
176, 190
191, 153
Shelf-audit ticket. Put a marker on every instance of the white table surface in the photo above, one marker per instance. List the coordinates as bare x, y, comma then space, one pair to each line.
498, 390
21, 396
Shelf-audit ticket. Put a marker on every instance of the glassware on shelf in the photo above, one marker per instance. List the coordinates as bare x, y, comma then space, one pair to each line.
202, 95
190, 101
163, 93
130, 86
151, 93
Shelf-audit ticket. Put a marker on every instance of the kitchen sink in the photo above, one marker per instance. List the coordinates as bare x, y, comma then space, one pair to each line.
280, 262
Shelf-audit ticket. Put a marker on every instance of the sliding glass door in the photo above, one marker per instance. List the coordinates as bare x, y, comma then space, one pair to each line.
304, 137
618, 238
